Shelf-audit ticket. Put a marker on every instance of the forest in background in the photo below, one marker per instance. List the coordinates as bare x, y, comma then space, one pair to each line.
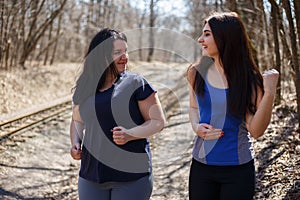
40, 32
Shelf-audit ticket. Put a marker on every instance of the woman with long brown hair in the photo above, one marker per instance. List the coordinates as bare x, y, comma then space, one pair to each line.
229, 102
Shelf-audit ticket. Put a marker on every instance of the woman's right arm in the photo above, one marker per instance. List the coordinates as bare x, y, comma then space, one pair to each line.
258, 123
193, 110
76, 133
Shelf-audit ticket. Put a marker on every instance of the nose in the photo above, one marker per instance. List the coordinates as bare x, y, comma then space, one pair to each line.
124, 55
200, 40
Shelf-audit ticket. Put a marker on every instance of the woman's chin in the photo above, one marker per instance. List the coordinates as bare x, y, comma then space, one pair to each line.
121, 69
204, 53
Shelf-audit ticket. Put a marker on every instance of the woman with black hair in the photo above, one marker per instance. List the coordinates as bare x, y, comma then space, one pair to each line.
229, 101
113, 114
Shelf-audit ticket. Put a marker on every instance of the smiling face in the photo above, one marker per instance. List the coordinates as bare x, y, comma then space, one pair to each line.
120, 55
209, 47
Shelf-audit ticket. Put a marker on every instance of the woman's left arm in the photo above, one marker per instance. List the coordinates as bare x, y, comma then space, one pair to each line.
258, 123
152, 113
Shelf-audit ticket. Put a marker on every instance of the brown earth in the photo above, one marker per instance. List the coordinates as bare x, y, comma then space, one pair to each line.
36, 164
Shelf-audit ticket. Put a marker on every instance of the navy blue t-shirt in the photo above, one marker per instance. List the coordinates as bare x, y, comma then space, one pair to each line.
102, 160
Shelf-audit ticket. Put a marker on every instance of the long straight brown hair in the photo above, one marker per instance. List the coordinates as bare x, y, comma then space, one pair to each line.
97, 64
235, 55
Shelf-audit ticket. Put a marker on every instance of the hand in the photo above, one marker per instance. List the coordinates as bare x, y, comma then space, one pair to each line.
76, 151
120, 136
270, 78
207, 132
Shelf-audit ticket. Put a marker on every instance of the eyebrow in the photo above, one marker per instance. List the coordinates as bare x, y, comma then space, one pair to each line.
119, 49
206, 31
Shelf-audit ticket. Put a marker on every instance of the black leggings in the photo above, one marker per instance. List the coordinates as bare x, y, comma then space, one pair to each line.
209, 182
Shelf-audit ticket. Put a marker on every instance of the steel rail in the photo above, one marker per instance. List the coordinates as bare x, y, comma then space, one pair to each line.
12, 124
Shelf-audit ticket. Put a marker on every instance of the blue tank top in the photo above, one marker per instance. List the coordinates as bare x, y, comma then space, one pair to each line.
102, 160
235, 147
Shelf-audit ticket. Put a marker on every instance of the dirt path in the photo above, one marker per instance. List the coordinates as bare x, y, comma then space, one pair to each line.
172, 154
37, 165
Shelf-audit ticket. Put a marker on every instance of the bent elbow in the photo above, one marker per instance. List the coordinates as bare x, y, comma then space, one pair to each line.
256, 134
257, 131
161, 124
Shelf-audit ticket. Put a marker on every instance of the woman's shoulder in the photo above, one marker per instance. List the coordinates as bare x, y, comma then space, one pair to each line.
135, 76
192, 68
131, 81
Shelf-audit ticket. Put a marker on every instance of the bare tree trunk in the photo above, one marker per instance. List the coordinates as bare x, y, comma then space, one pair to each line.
89, 19
151, 34
13, 31
101, 13
264, 43
36, 33
287, 55
48, 45
7, 55
7, 29
1, 31
105, 12
77, 43
297, 16
44, 49
221, 4
24, 26
56, 40
98, 16
68, 41
140, 24
248, 14
197, 24
21, 28
232, 5
35, 9
196, 13
295, 58
274, 22
253, 16
113, 14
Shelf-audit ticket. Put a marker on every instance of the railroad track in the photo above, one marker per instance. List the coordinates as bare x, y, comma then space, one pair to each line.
26, 161
10, 125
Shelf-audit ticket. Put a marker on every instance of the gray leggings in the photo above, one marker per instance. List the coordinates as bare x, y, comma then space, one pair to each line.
140, 189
